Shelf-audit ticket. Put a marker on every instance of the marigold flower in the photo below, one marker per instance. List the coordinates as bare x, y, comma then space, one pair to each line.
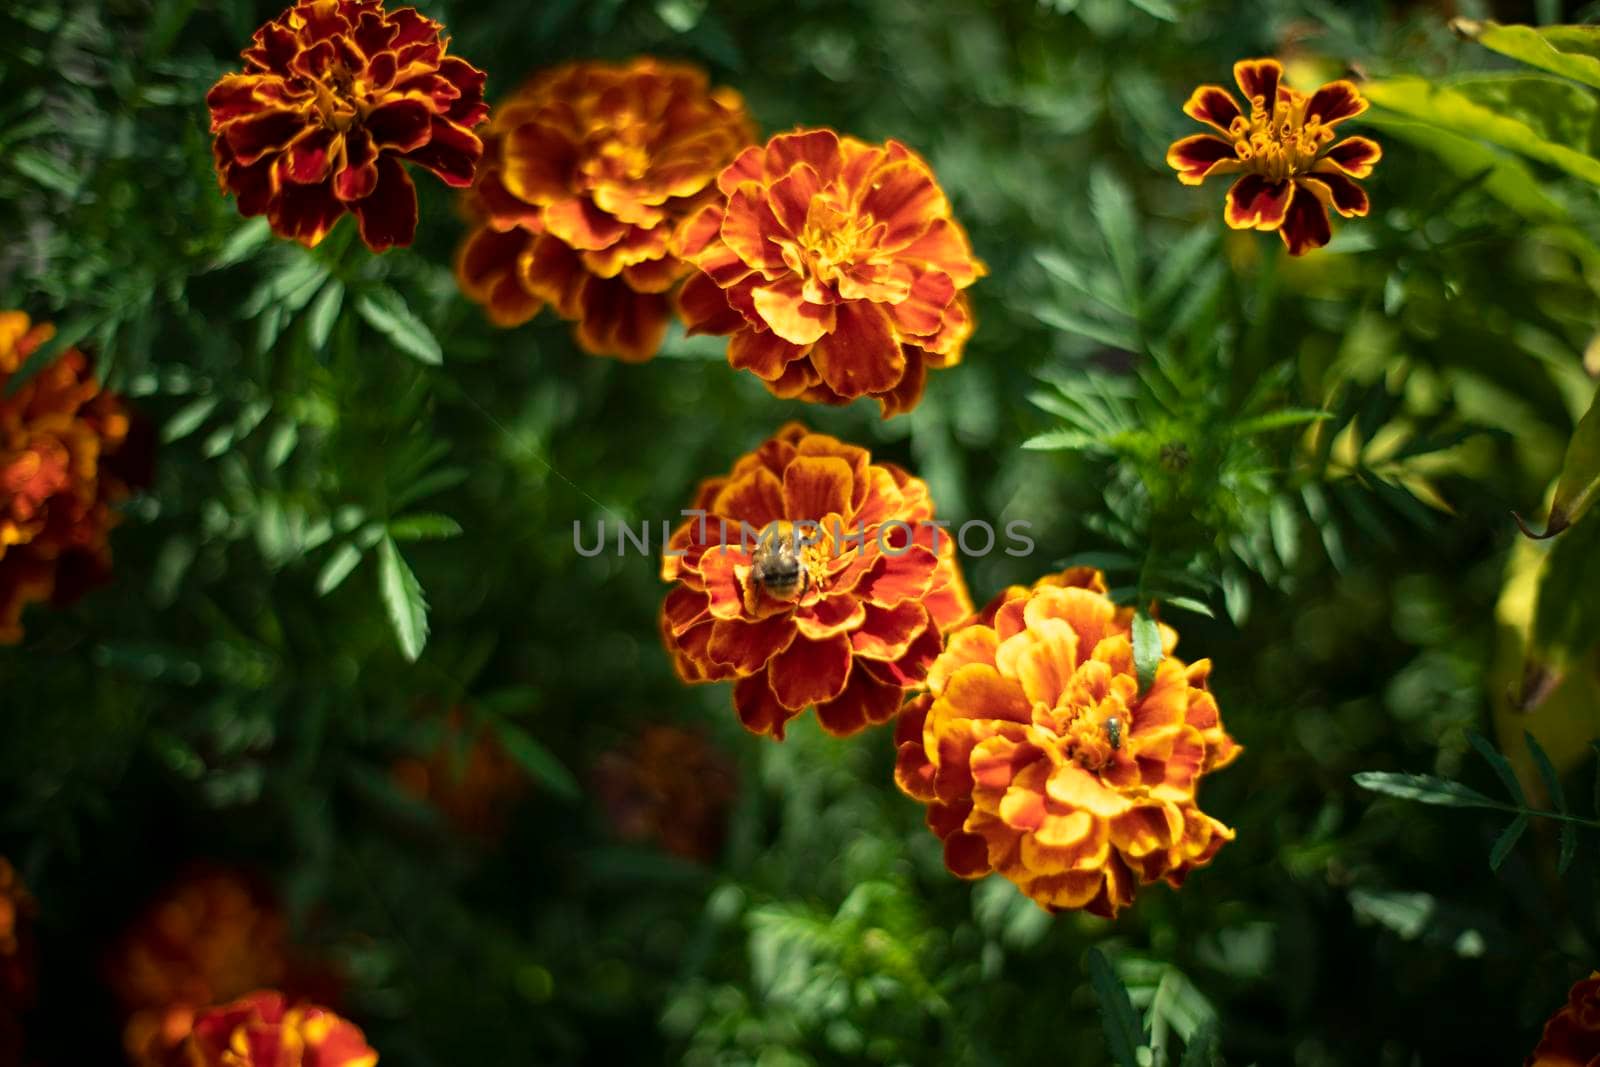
17, 910
1292, 169
61, 437
468, 776
670, 786
261, 1030
334, 94
211, 937
850, 614
587, 170
1572, 1036
835, 266
1038, 757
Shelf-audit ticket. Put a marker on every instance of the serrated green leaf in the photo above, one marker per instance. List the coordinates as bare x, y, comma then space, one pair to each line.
1507, 841
1124, 1034
1073, 323
1146, 648
1579, 484
403, 599
1501, 765
1277, 420
1112, 209
1447, 109
424, 526
1547, 771
338, 568
537, 760
1570, 51
385, 311
1426, 789
1060, 440
1503, 176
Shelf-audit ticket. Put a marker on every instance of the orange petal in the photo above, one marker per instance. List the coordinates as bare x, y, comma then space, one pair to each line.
1256, 203
905, 197
830, 615
1355, 156
1197, 158
538, 163
748, 229
580, 224
755, 498
1259, 79
815, 487
944, 247
1306, 226
790, 196
704, 307
788, 314
862, 355
758, 709
763, 352
747, 646
620, 322
818, 148
922, 311
1338, 192
1212, 105
810, 672
864, 702
977, 691
1335, 102
887, 633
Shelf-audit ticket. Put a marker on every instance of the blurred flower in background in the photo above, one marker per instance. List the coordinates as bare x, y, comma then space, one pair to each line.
836, 267
872, 598
1292, 171
670, 786
260, 1030
1572, 1036
334, 95
17, 912
587, 170
60, 436
467, 776
1039, 758
210, 938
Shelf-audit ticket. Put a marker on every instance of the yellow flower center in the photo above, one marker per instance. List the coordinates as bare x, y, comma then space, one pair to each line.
829, 241
1280, 142
342, 98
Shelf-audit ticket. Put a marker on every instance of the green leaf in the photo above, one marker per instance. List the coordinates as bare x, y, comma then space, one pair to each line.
243, 243
189, 418
45, 169
1503, 176
385, 311
1570, 51
1501, 765
1104, 333
338, 568
1146, 648
1448, 109
1579, 483
324, 314
1278, 420
1204, 1047
1112, 209
1426, 789
1569, 847
403, 599
1407, 914
1507, 841
1060, 440
424, 526
1124, 1034
1547, 771
537, 760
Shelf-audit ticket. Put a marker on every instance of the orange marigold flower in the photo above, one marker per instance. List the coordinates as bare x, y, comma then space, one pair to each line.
835, 266
212, 937
1038, 757
261, 1030
61, 440
468, 776
1292, 170
670, 786
1572, 1036
587, 170
334, 94
816, 578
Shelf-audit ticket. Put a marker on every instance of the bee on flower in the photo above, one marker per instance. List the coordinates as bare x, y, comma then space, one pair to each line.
1291, 166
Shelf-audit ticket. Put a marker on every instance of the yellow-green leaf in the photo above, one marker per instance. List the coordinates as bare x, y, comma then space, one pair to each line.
1506, 178
1579, 484
1570, 51
1456, 111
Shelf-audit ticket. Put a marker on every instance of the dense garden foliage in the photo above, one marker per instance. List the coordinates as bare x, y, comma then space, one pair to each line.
836, 531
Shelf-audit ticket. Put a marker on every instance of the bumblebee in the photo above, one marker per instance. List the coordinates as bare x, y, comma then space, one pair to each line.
775, 565
1114, 733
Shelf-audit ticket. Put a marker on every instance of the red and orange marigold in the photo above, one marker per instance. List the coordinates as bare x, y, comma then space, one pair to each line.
1291, 168
858, 614
836, 267
1572, 1036
587, 171
1039, 758
468, 775
261, 1030
212, 937
333, 96
671, 786
63, 467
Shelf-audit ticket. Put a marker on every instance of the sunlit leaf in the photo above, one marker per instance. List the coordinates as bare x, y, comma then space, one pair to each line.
1570, 51
424, 527
338, 568
1579, 483
403, 599
1425, 789
1146, 648
385, 311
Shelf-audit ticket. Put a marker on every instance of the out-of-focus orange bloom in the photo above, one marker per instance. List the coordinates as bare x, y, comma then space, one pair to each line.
333, 96
587, 170
1292, 169
845, 623
1038, 757
835, 266
468, 777
670, 786
261, 1030
1572, 1036
17, 913
61, 437
211, 938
